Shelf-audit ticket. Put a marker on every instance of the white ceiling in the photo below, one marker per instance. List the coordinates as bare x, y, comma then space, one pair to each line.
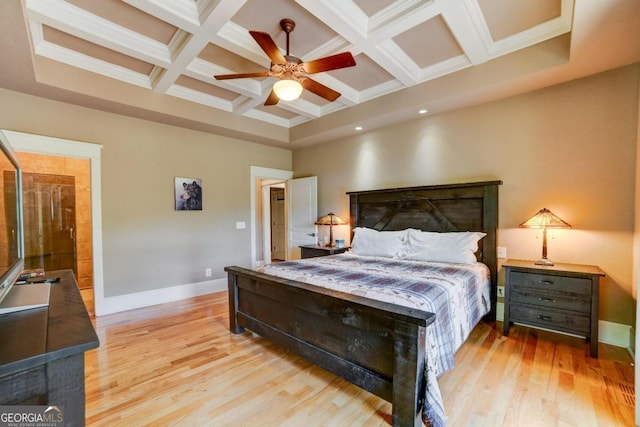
156, 58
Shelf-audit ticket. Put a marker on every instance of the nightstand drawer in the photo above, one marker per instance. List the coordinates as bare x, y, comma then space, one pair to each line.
552, 319
561, 300
551, 283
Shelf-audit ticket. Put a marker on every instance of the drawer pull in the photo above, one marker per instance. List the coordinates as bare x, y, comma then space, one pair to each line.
546, 282
547, 318
546, 299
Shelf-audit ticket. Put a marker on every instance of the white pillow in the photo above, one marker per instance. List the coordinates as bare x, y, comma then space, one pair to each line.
458, 247
369, 242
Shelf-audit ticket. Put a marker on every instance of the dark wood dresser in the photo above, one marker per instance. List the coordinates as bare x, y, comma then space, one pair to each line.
311, 251
562, 297
42, 352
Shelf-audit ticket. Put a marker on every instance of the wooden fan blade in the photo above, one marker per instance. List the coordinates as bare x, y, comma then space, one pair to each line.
272, 99
341, 60
269, 46
320, 89
242, 76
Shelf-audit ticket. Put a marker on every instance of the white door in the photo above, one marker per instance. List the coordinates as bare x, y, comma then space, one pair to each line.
302, 213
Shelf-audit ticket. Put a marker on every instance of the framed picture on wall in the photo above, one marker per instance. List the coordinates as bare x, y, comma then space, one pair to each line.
188, 194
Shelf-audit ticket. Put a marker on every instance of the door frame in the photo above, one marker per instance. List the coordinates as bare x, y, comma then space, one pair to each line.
259, 172
39, 144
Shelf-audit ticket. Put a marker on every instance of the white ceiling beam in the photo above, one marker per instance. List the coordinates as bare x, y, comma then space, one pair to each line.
80, 23
204, 71
180, 13
184, 53
88, 63
199, 97
266, 117
401, 16
343, 17
396, 62
237, 39
545, 31
443, 68
373, 36
467, 24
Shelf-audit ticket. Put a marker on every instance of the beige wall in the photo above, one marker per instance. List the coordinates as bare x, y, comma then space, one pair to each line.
146, 243
570, 148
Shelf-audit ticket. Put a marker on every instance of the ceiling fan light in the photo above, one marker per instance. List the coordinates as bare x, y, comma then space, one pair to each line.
287, 90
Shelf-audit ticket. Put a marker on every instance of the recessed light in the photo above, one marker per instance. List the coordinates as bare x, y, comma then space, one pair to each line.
358, 127
423, 111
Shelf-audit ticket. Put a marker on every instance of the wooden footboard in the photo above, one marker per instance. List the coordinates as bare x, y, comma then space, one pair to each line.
377, 346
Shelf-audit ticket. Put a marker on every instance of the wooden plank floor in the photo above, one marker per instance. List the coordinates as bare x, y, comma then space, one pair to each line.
178, 365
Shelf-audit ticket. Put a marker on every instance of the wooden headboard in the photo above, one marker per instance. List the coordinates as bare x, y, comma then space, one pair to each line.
443, 208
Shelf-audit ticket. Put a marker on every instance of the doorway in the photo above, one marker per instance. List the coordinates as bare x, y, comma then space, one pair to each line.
300, 212
273, 222
278, 229
260, 177
49, 219
57, 217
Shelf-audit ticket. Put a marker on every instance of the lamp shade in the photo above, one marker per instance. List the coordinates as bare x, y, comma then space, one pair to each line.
544, 219
331, 219
287, 90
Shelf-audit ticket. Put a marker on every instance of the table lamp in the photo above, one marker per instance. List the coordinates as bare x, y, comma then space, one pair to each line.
331, 219
544, 219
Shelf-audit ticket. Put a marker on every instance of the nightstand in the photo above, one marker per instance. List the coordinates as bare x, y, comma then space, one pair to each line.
562, 297
311, 251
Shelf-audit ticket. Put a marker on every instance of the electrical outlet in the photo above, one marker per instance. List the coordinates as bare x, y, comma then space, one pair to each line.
500, 291
207, 272
502, 252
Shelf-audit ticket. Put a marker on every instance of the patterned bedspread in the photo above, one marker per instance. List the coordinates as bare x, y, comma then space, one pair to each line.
457, 293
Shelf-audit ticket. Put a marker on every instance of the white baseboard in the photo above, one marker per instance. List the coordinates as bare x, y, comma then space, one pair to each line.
110, 305
608, 332
614, 333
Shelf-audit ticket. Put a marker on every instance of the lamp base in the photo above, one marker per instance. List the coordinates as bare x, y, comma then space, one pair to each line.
544, 261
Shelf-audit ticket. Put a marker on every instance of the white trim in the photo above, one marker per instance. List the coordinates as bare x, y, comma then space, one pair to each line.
259, 172
39, 144
151, 297
78, 22
608, 332
614, 333
500, 311
266, 219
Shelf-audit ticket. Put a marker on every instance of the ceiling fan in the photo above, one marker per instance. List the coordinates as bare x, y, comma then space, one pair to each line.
292, 71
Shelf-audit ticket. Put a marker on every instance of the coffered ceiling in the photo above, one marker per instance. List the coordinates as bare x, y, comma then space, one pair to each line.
156, 58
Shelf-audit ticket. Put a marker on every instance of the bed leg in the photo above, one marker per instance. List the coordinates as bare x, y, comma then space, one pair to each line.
233, 304
408, 377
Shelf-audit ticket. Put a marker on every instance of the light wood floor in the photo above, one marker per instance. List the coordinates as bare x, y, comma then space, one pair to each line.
177, 365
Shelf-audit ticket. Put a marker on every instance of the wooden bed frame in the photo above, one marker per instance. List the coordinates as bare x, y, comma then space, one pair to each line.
377, 346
